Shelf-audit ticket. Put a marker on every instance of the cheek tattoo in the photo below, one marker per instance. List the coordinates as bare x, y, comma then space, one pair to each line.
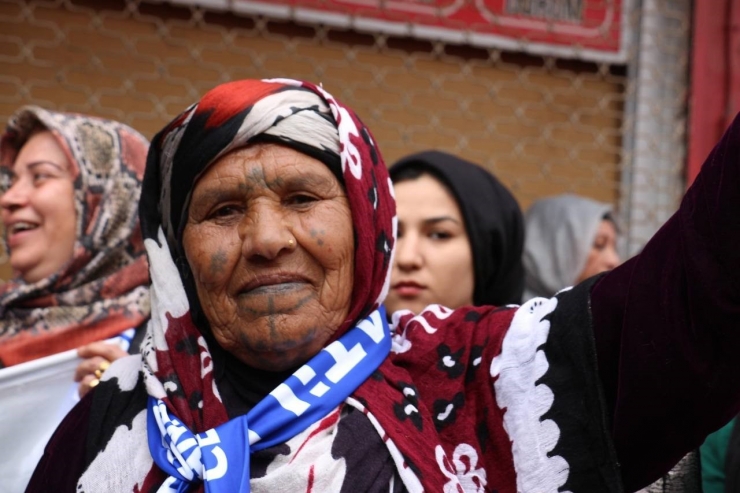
218, 262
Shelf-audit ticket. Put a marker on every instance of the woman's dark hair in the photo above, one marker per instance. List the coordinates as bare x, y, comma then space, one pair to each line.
411, 172
610, 217
414, 171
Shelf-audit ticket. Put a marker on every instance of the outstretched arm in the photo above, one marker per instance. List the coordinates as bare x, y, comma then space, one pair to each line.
667, 326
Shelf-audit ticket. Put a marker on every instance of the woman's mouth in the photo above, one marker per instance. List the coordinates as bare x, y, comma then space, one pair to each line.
282, 287
18, 231
273, 284
408, 289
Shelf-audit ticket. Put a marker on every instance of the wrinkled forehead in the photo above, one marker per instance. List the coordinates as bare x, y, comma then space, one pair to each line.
219, 124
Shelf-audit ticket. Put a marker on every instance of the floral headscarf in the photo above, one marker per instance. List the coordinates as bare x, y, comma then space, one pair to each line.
103, 289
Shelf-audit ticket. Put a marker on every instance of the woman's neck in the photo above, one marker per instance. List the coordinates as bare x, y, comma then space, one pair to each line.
242, 386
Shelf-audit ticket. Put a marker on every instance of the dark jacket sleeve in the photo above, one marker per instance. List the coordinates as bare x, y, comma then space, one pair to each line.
667, 326
64, 458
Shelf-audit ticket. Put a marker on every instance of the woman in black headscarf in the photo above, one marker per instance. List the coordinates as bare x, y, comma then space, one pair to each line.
460, 235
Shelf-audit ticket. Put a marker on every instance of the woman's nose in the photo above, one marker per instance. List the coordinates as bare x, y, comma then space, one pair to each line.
14, 197
408, 257
265, 233
612, 258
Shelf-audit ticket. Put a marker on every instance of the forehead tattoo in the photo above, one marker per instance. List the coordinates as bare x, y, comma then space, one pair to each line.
255, 179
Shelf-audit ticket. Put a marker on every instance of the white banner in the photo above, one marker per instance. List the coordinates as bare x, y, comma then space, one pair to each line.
34, 397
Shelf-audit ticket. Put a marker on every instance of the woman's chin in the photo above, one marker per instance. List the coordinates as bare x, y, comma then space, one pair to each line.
275, 302
30, 272
415, 305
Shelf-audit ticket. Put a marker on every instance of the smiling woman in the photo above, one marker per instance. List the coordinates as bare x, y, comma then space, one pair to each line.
71, 184
269, 363
38, 208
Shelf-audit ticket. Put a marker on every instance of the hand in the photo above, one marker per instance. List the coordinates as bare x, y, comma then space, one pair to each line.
97, 357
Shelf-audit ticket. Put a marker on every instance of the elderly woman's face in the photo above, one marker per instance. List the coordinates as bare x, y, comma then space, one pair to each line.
270, 243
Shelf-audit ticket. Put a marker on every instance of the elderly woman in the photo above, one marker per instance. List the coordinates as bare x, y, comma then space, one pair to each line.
268, 365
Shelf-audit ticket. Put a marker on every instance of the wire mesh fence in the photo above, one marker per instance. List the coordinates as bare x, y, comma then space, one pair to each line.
544, 124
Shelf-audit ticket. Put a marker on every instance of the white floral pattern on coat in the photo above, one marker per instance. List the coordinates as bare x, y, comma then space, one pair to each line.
463, 472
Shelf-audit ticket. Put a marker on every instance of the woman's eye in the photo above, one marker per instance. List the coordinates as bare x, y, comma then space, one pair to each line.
440, 235
601, 242
40, 178
301, 199
225, 211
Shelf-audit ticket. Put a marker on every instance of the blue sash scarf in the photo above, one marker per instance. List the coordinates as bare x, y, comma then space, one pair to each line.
220, 457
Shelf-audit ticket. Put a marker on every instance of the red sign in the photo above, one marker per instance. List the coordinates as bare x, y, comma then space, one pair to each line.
590, 29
